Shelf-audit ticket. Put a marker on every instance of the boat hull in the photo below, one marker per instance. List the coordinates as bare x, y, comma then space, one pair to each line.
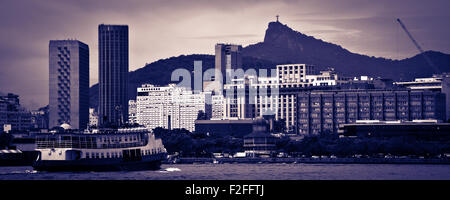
25, 158
152, 162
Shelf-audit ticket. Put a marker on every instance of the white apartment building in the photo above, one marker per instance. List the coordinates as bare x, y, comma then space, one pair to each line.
326, 78
294, 74
168, 107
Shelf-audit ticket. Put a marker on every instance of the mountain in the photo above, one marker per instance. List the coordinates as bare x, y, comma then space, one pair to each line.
159, 72
284, 45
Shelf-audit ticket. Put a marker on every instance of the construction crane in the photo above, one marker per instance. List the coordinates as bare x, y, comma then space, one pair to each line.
418, 46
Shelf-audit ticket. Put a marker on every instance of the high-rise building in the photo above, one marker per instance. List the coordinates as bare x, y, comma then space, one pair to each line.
69, 83
227, 57
113, 74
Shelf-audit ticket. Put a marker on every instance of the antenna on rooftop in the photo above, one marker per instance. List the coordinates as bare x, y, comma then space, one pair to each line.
277, 17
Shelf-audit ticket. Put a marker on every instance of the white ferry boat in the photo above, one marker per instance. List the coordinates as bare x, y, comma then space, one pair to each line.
99, 150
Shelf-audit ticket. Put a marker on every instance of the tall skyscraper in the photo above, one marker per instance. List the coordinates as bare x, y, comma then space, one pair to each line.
69, 83
228, 56
113, 74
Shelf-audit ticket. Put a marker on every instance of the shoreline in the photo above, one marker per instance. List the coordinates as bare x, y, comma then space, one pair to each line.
310, 160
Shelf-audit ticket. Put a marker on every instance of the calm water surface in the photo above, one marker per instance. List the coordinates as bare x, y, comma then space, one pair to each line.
248, 172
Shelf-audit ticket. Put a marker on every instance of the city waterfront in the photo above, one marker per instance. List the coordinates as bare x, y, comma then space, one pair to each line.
278, 171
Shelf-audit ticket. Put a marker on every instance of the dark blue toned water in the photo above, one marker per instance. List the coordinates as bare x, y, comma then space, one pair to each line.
248, 172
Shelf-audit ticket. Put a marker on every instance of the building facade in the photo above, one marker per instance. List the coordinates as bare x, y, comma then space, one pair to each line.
227, 57
295, 74
68, 83
169, 107
252, 96
13, 115
324, 111
93, 118
113, 74
440, 83
3, 112
217, 107
39, 118
327, 77
132, 112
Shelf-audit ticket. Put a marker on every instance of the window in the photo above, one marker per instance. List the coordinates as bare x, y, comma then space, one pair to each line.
87, 154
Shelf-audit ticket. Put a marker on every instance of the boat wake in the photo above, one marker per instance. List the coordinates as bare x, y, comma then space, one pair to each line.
31, 171
19, 172
170, 169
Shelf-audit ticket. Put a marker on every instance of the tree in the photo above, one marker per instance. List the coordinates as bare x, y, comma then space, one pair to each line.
5, 140
279, 126
202, 115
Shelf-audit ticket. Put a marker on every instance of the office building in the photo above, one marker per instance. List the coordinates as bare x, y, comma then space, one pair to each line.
93, 118
217, 107
440, 83
295, 75
324, 111
68, 83
327, 77
39, 118
237, 99
252, 96
113, 74
13, 115
132, 112
227, 57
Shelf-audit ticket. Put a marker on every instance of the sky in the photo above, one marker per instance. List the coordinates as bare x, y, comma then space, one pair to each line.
160, 29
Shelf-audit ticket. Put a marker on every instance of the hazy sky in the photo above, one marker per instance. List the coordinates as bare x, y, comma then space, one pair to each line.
166, 28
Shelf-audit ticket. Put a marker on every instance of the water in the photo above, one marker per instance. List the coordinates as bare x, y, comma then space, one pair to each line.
248, 172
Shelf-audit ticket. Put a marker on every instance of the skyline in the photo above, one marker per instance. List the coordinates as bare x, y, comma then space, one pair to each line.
161, 29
